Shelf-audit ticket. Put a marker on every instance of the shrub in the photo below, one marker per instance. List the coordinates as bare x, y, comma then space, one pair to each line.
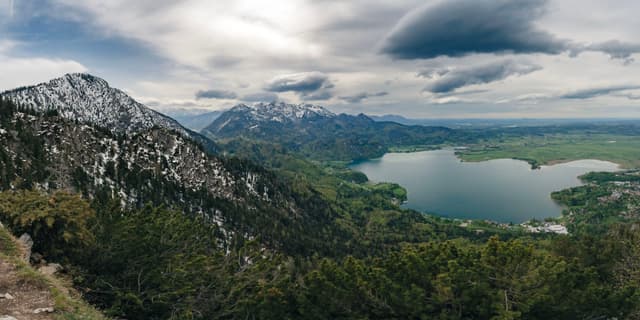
58, 222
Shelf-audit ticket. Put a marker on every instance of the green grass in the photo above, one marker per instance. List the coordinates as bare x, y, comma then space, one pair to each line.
7, 245
549, 149
29, 276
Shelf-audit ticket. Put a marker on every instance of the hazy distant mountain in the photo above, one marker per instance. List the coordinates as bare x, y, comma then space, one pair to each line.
462, 123
196, 122
89, 99
449, 123
393, 118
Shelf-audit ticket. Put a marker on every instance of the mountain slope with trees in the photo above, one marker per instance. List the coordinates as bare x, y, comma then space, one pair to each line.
48, 152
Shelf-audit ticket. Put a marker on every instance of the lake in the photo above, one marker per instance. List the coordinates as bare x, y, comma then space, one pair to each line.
502, 190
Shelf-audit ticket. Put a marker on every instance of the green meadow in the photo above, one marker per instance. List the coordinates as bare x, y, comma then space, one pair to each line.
550, 149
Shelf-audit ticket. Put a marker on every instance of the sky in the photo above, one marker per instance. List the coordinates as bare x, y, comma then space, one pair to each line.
419, 59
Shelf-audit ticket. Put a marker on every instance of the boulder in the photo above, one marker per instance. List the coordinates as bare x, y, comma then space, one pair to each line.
43, 310
27, 243
6, 296
37, 258
50, 269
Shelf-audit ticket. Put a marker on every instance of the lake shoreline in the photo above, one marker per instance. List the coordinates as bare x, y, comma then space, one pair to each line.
543, 184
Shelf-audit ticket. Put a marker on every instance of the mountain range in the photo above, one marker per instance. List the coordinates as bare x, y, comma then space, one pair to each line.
318, 133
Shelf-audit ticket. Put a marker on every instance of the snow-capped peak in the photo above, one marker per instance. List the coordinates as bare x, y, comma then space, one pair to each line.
87, 98
282, 112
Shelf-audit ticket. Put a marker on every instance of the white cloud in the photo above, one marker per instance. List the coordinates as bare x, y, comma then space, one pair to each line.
6, 45
28, 71
209, 34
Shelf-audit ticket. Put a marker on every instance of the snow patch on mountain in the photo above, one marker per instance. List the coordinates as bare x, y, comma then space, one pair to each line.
282, 112
89, 99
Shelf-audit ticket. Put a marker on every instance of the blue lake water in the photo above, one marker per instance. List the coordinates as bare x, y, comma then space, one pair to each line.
502, 190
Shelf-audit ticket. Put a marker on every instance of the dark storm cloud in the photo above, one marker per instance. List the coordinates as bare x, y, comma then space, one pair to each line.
600, 91
215, 94
317, 95
308, 85
461, 27
299, 82
362, 96
260, 97
487, 73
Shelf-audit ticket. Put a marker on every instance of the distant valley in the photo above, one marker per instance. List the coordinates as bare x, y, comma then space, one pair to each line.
195, 122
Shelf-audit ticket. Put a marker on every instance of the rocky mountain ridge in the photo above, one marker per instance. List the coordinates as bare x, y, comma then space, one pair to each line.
88, 99
319, 133
257, 116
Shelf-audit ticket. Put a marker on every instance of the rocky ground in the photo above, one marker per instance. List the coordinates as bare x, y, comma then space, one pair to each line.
21, 298
27, 292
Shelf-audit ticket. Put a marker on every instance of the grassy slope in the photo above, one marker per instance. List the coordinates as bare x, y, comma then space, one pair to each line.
30, 282
549, 149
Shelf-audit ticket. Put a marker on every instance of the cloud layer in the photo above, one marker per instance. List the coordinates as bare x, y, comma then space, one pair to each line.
615, 49
598, 91
308, 85
457, 28
298, 82
461, 27
481, 74
260, 97
215, 94
363, 96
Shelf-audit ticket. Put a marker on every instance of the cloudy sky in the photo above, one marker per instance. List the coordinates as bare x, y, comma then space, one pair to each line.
428, 59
